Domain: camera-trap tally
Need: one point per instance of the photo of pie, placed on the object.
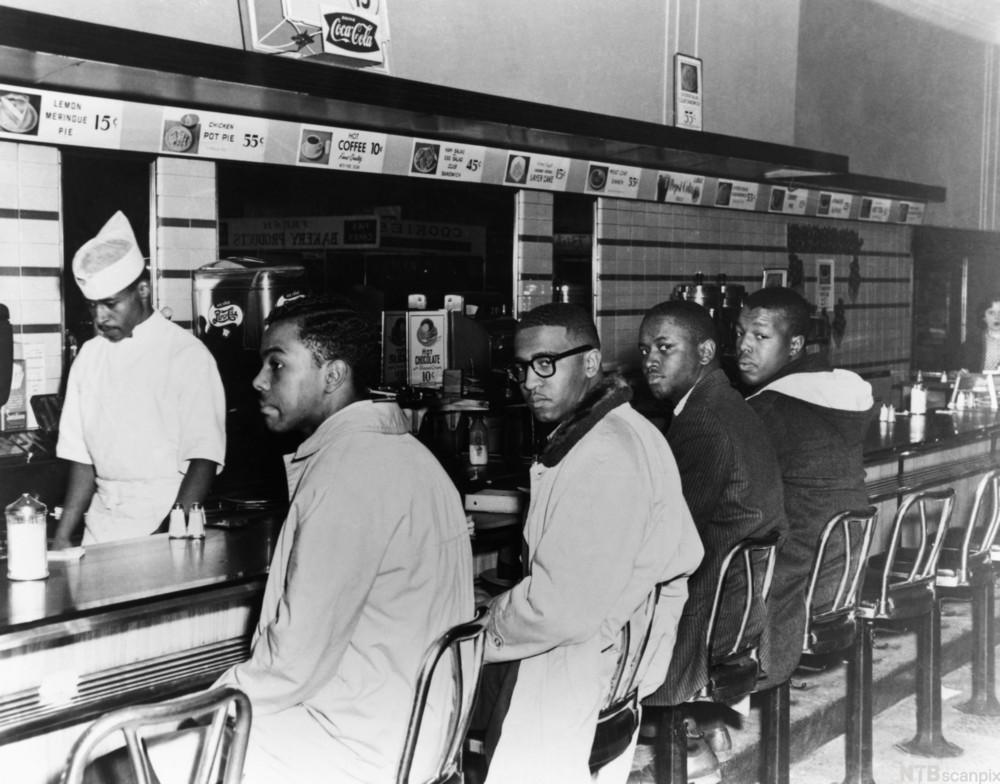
(517, 168)
(177, 138)
(598, 177)
(17, 115)
(425, 158)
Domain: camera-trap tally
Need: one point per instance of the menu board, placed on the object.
(834, 205)
(536, 171)
(736, 195)
(60, 118)
(213, 135)
(607, 179)
(679, 188)
(447, 160)
(33, 115)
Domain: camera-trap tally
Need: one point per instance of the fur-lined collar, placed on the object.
(608, 395)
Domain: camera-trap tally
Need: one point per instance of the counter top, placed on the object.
(908, 436)
(117, 574)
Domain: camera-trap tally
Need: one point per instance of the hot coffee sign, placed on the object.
(355, 28)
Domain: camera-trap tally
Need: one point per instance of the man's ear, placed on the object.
(706, 351)
(592, 362)
(337, 374)
(145, 292)
(796, 344)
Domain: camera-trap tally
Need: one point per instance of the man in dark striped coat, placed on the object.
(729, 471)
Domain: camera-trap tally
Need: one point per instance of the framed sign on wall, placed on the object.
(688, 91)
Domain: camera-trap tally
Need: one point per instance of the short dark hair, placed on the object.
(692, 317)
(986, 302)
(332, 331)
(794, 308)
(577, 321)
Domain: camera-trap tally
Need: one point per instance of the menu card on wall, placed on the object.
(736, 195)
(911, 212)
(679, 188)
(213, 135)
(834, 205)
(341, 148)
(447, 160)
(60, 118)
(536, 171)
(875, 210)
(606, 179)
(789, 201)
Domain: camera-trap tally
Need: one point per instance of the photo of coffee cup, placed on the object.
(312, 146)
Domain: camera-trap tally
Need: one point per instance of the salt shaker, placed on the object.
(196, 522)
(178, 527)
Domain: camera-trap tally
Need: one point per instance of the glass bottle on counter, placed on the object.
(27, 548)
(478, 444)
(918, 396)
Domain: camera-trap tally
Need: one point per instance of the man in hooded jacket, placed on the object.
(817, 419)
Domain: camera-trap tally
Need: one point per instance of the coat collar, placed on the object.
(608, 395)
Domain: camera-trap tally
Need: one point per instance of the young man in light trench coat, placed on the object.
(606, 523)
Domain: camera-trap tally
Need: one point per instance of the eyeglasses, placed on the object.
(544, 365)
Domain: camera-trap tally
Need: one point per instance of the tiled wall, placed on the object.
(645, 249)
(532, 250)
(185, 214)
(31, 257)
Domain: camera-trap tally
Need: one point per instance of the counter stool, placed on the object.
(217, 748)
(830, 627)
(965, 571)
(462, 647)
(733, 672)
(899, 591)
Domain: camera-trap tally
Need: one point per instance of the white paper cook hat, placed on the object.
(109, 262)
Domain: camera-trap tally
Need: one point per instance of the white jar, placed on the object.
(27, 548)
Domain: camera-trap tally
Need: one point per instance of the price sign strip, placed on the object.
(33, 115)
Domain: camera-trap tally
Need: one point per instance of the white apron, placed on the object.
(123, 509)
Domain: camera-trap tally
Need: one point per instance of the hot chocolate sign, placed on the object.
(355, 28)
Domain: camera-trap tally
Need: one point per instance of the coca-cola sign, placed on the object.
(352, 33)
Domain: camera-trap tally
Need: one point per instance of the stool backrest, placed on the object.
(618, 718)
(831, 627)
(741, 591)
(915, 568)
(227, 709)
(438, 757)
(980, 533)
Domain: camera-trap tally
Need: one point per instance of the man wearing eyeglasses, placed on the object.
(607, 523)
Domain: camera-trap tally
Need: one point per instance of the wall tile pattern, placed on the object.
(186, 220)
(532, 250)
(31, 252)
(644, 249)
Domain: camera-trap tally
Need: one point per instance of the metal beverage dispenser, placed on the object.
(232, 298)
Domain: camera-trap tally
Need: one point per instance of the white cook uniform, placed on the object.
(373, 562)
(138, 410)
(605, 525)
